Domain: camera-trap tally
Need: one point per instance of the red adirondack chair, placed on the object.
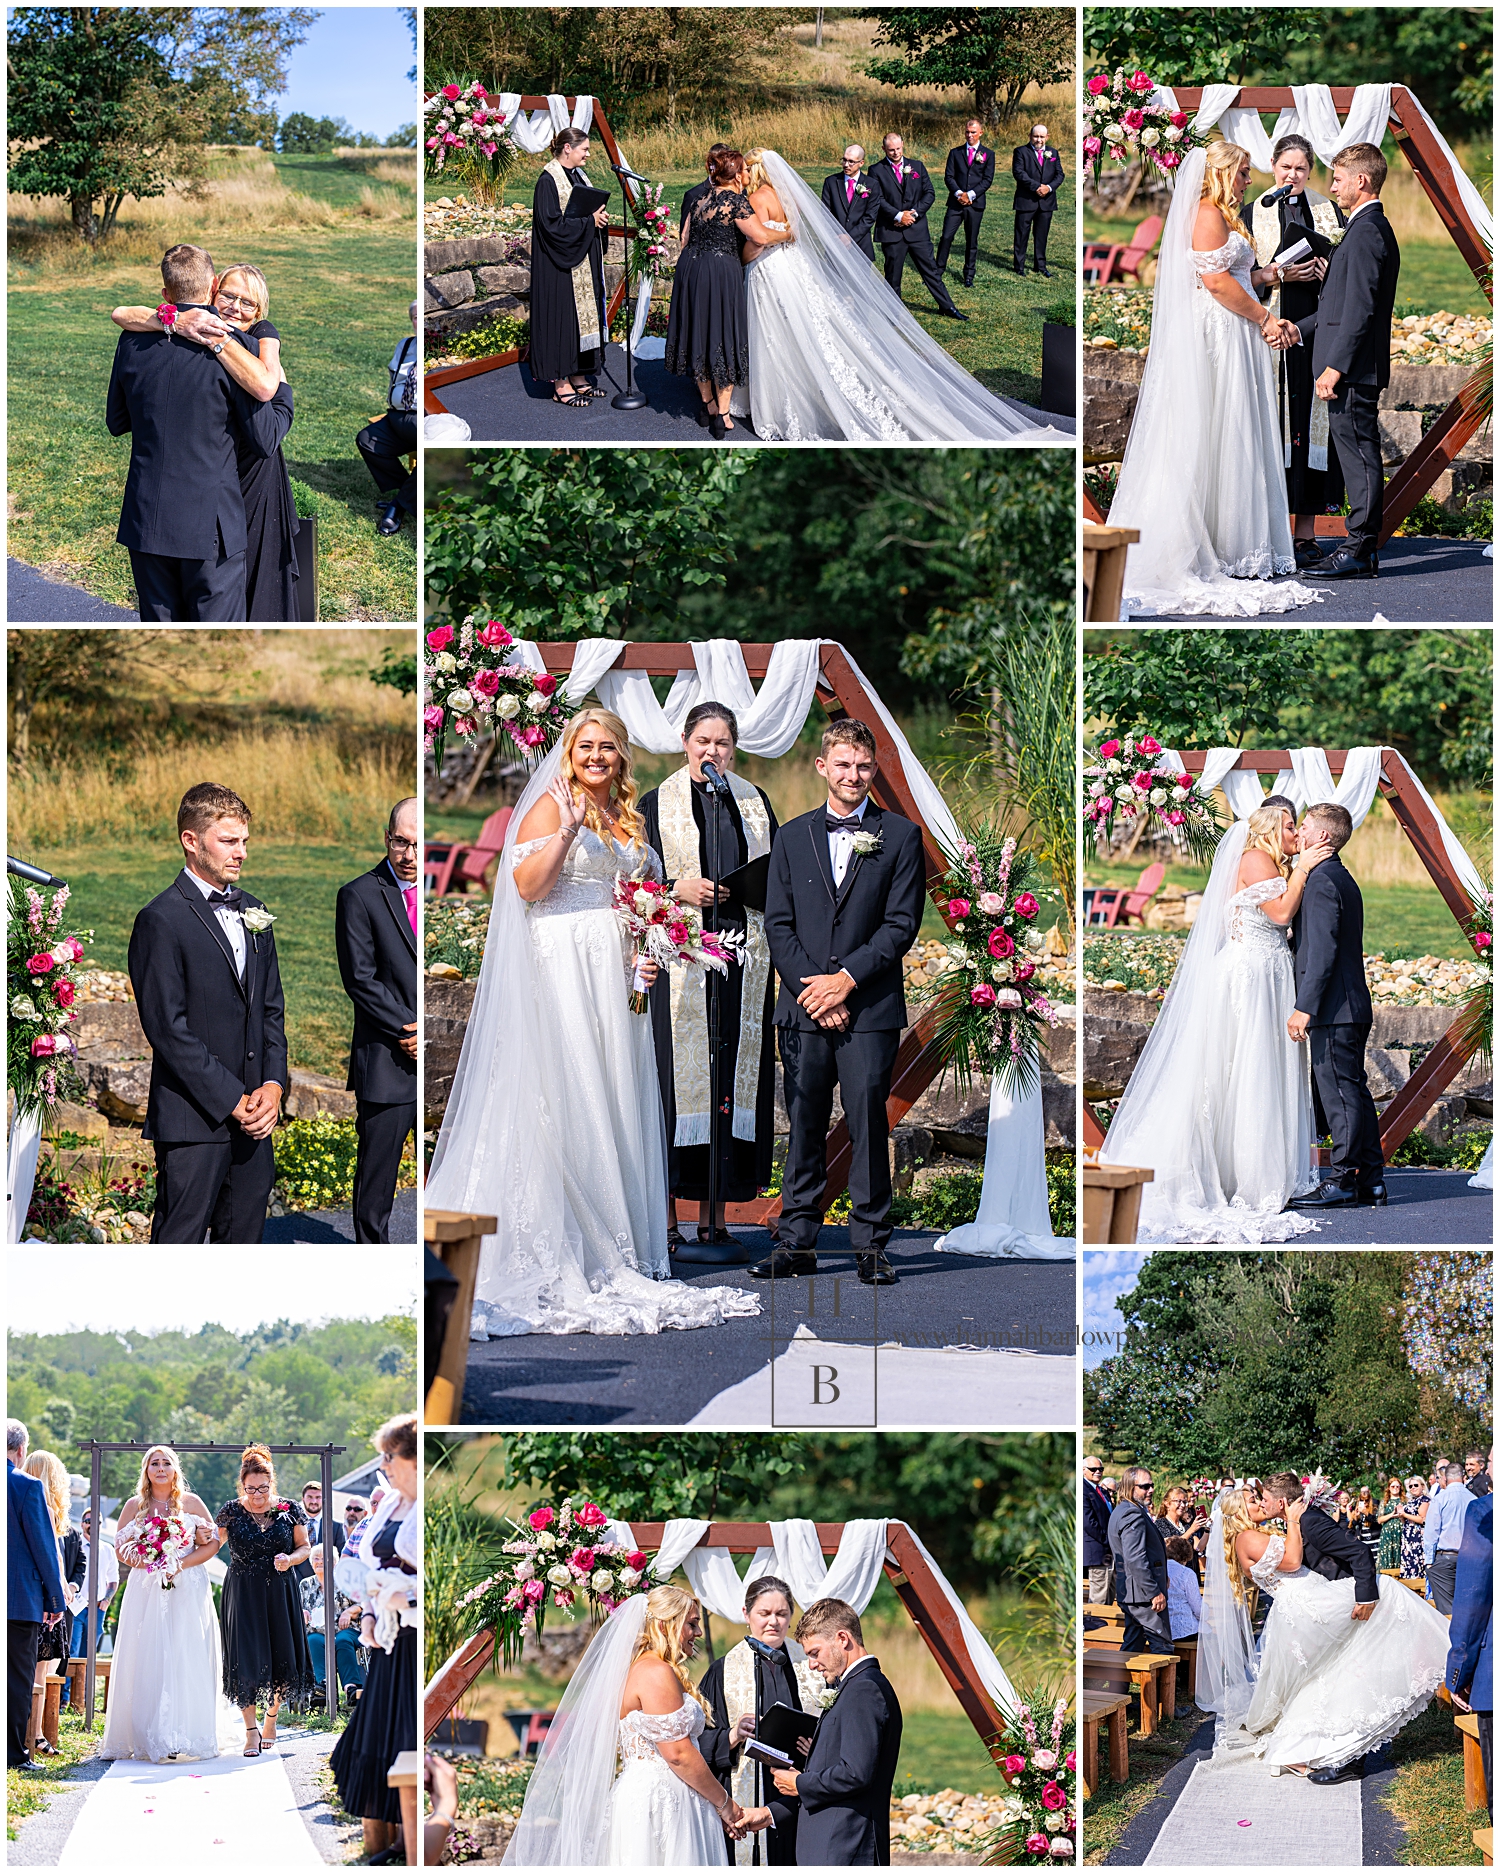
(1104, 261)
(1116, 904)
(456, 867)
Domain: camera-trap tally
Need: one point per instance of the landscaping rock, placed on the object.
(440, 257)
(1443, 1121)
(450, 289)
(911, 1148)
(83, 1121)
(1387, 1070)
(1059, 1114)
(1480, 1101)
(503, 279)
(1118, 1004)
(119, 1088)
(1111, 1048)
(1060, 1046)
(314, 1095)
(450, 323)
(109, 1030)
(448, 1007)
(1414, 1026)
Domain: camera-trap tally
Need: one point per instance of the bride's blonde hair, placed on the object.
(1223, 165)
(1237, 1518)
(1265, 836)
(623, 790)
(667, 1610)
(755, 176)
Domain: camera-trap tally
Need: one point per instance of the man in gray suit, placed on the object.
(1140, 1557)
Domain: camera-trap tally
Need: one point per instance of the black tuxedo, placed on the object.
(866, 926)
(959, 177)
(690, 201)
(214, 1036)
(1034, 211)
(377, 952)
(913, 194)
(1350, 332)
(183, 516)
(775, 1683)
(1337, 1554)
(856, 215)
(1328, 944)
(845, 1790)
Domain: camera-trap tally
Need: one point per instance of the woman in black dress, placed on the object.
(260, 1615)
(708, 327)
(685, 820)
(241, 301)
(567, 277)
(384, 1722)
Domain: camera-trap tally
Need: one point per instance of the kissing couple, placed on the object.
(1260, 1045)
(1204, 473)
(682, 1752)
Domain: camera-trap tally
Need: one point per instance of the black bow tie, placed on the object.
(230, 899)
(852, 824)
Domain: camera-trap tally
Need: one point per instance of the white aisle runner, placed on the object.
(232, 1811)
(1245, 1816)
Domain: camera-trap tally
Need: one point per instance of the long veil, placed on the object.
(1227, 1663)
(871, 348)
(565, 1817)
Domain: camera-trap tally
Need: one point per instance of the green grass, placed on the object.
(1427, 1794)
(298, 880)
(941, 1749)
(339, 180)
(30, 1793)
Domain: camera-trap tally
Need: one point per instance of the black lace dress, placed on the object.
(708, 329)
(260, 1614)
(270, 517)
(384, 1722)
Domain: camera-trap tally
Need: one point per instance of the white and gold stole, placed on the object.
(585, 301)
(1265, 226)
(739, 1701)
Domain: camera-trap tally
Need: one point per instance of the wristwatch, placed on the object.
(218, 347)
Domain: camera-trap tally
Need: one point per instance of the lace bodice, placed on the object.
(714, 221)
(587, 879)
(640, 1732)
(1249, 925)
(1236, 256)
(1263, 1572)
(253, 1547)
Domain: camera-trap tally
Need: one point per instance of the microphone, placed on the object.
(621, 169)
(32, 873)
(1277, 195)
(716, 780)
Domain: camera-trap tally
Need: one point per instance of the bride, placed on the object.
(164, 1698)
(1220, 1102)
(834, 354)
(631, 1699)
(555, 1122)
(1324, 1687)
(1203, 477)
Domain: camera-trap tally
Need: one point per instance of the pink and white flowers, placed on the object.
(40, 994)
(472, 689)
(463, 120)
(1119, 121)
(666, 932)
(1128, 777)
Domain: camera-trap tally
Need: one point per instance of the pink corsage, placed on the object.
(168, 317)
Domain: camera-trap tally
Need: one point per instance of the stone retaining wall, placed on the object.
(469, 282)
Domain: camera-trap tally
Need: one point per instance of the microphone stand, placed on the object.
(630, 398)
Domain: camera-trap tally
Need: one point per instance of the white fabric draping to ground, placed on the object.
(20, 1167)
(1014, 1219)
(1484, 1177)
(1243, 1815)
(229, 1811)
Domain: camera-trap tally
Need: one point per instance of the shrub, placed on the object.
(1460, 1154)
(315, 1164)
(1474, 521)
(504, 333)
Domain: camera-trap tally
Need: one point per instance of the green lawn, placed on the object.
(941, 1749)
(298, 880)
(339, 179)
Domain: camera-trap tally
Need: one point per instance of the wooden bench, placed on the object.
(1153, 1674)
(455, 1237)
(1112, 1201)
(52, 1686)
(1418, 1587)
(1476, 1795)
(1104, 550)
(402, 1776)
(1112, 1708)
(1112, 1632)
(76, 1672)
(1187, 1651)
(1484, 1840)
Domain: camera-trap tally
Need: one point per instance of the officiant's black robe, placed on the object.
(775, 1683)
(744, 1166)
(1308, 490)
(558, 244)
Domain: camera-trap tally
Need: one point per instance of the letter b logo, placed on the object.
(819, 1382)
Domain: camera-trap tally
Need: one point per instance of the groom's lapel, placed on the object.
(870, 823)
(195, 903)
(817, 831)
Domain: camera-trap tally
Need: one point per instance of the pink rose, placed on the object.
(532, 737)
(1068, 1761)
(1026, 905)
(1134, 120)
(1138, 82)
(1044, 1759)
(478, 89)
(991, 903)
(1177, 817)
(494, 635)
(1053, 1797)
(39, 964)
(486, 683)
(958, 907)
(1025, 971)
(452, 93)
(1142, 782)
(1036, 1843)
(441, 638)
(637, 1560)
(582, 1559)
(1179, 119)
(432, 717)
(1092, 146)
(983, 996)
(546, 682)
(65, 993)
(1148, 744)
(534, 1592)
(1098, 85)
(1108, 749)
(1185, 781)
(1001, 944)
(1169, 159)
(73, 944)
(592, 1516)
(1013, 1765)
(541, 1518)
(44, 1046)
(1483, 940)
(434, 142)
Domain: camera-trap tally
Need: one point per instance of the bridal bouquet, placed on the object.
(1041, 1772)
(462, 126)
(667, 932)
(559, 1555)
(470, 690)
(1126, 780)
(42, 956)
(990, 1011)
(1120, 123)
(157, 1544)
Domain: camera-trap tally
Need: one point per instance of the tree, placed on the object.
(1196, 689)
(995, 52)
(1200, 45)
(403, 139)
(301, 135)
(654, 1477)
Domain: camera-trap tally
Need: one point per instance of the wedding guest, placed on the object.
(567, 277)
(1110, 1485)
(694, 828)
(109, 1580)
(1140, 1567)
(1471, 1632)
(387, 441)
(1038, 173)
(356, 1514)
(1477, 1473)
(361, 1523)
(1364, 1517)
(36, 1600)
(260, 1614)
(1178, 1518)
(1184, 1596)
(440, 1779)
(312, 1509)
(1413, 1514)
(904, 193)
(700, 191)
(1096, 1555)
(1340, 1511)
(967, 178)
(351, 1673)
(375, 936)
(1441, 1534)
(1388, 1558)
(52, 1647)
(850, 198)
(384, 1722)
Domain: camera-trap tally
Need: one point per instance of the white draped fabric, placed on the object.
(25, 1145)
(533, 131)
(1014, 1218)
(1484, 1177)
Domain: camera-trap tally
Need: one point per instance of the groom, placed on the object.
(845, 1789)
(1333, 1015)
(1350, 335)
(843, 905)
(203, 966)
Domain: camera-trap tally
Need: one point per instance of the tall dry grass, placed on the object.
(1381, 854)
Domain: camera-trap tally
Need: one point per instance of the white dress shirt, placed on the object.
(841, 844)
(230, 921)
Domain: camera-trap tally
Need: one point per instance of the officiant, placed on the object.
(690, 820)
(763, 1670)
(1314, 483)
(567, 277)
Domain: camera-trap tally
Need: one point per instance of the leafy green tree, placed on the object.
(301, 135)
(654, 1476)
(1195, 689)
(403, 139)
(1198, 45)
(994, 52)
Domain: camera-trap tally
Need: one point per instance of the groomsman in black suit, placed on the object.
(207, 987)
(904, 193)
(851, 200)
(1038, 173)
(970, 171)
(375, 931)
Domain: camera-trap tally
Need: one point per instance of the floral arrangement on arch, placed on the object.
(1041, 1772)
(1479, 1011)
(469, 690)
(42, 956)
(990, 1011)
(557, 1556)
(1126, 779)
(461, 124)
(1120, 123)
(649, 258)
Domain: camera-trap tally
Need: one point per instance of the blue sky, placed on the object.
(353, 64)
(1107, 1274)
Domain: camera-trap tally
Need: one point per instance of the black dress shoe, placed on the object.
(952, 312)
(875, 1271)
(1351, 1772)
(390, 520)
(1372, 1193)
(968, 279)
(1020, 273)
(1308, 554)
(1344, 565)
(1329, 1195)
(29, 1767)
(1044, 273)
(782, 1262)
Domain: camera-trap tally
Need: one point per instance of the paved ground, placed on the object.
(338, 1225)
(1425, 1206)
(31, 598)
(667, 1378)
(1422, 581)
(506, 405)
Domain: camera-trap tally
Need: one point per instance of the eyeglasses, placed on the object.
(400, 845)
(239, 299)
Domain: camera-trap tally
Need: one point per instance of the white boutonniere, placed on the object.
(866, 843)
(860, 189)
(828, 1696)
(257, 919)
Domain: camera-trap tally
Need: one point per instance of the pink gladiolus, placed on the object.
(1025, 971)
(489, 148)
(592, 1516)
(1001, 944)
(1179, 120)
(1134, 120)
(1148, 744)
(958, 907)
(452, 93)
(1036, 1843)
(43, 1046)
(1026, 905)
(1098, 85)
(441, 638)
(1053, 1797)
(1092, 146)
(545, 683)
(39, 964)
(541, 1518)
(494, 636)
(1109, 749)
(983, 996)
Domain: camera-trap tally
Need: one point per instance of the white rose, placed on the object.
(546, 1542)
(524, 1570)
(1007, 998)
(1097, 788)
(1004, 971)
(1034, 941)
(1173, 134)
(628, 1577)
(537, 703)
(1158, 796)
(1113, 765)
(603, 1580)
(506, 706)
(1150, 139)
(1053, 1823)
(1113, 133)
(459, 700)
(446, 662)
(1124, 793)
(559, 1576)
(642, 901)
(257, 918)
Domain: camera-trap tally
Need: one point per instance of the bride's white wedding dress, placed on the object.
(165, 1696)
(655, 1819)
